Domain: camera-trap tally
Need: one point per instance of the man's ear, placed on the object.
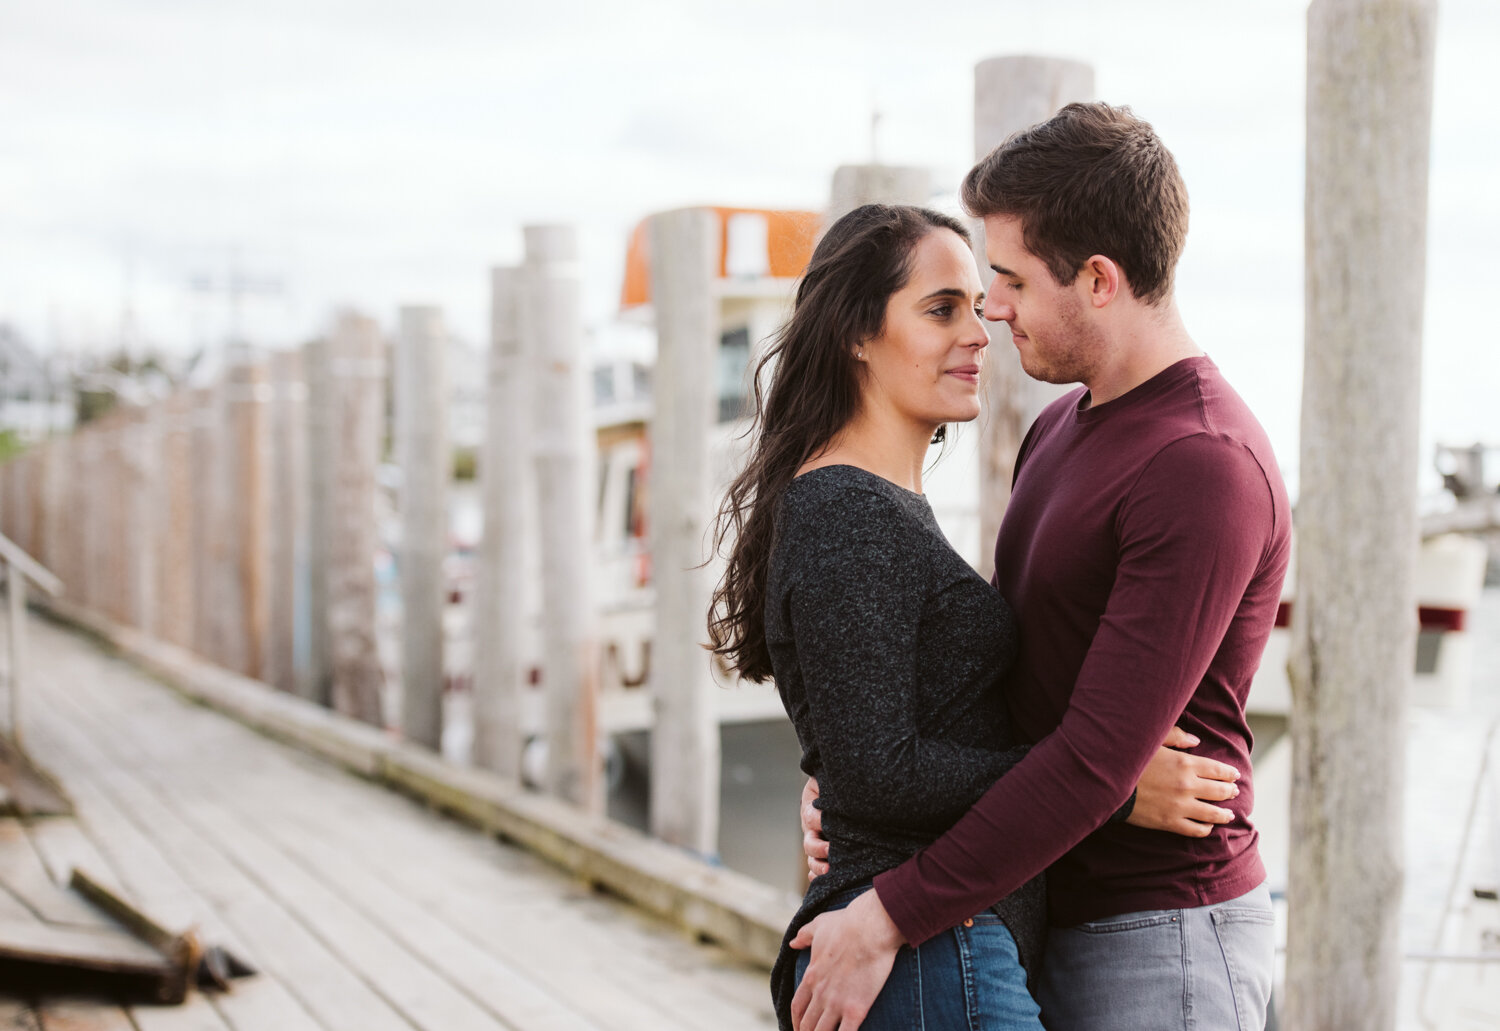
(1104, 279)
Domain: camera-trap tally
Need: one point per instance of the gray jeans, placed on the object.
(1202, 969)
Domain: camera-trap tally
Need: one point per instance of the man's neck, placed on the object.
(1144, 342)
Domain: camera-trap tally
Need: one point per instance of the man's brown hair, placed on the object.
(1093, 179)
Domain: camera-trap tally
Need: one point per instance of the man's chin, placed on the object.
(1045, 374)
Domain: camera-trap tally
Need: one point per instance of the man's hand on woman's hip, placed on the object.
(1176, 793)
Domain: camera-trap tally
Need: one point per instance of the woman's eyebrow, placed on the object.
(947, 291)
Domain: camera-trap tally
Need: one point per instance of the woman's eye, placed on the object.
(942, 311)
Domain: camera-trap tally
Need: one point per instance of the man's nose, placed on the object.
(998, 310)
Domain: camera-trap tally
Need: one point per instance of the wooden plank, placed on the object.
(62, 845)
(138, 864)
(78, 1014)
(87, 949)
(150, 754)
(731, 908)
(620, 993)
(25, 788)
(403, 978)
(12, 908)
(317, 990)
(182, 950)
(638, 972)
(18, 1015)
(500, 987)
(25, 876)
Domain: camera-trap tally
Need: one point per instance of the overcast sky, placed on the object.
(354, 152)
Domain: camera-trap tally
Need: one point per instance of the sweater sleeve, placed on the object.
(1193, 532)
(856, 612)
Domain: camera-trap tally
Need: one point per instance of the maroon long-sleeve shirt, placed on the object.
(1143, 551)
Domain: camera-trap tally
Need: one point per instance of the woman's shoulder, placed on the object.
(849, 486)
(833, 513)
(846, 501)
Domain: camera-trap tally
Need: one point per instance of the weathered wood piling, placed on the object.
(1369, 104)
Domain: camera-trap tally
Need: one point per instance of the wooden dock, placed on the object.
(363, 910)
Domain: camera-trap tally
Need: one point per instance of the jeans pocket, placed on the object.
(1130, 922)
(1247, 940)
(1240, 914)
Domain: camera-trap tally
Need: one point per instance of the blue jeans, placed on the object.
(1200, 969)
(968, 979)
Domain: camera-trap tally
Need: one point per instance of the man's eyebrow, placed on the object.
(1001, 270)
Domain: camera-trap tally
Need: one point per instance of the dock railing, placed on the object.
(20, 567)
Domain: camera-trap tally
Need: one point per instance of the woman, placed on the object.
(887, 648)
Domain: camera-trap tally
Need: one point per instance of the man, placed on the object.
(1143, 550)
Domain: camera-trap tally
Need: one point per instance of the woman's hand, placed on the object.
(814, 845)
(1177, 790)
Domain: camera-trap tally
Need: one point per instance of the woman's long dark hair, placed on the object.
(862, 260)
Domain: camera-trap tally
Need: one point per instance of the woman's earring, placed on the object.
(860, 355)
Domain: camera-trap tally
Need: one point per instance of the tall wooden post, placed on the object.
(73, 521)
(1369, 104)
(241, 514)
(142, 453)
(1011, 93)
(15, 588)
(205, 505)
(315, 679)
(854, 185)
(53, 475)
(356, 373)
(9, 502)
(36, 479)
(223, 598)
(174, 516)
(287, 543)
(426, 467)
(66, 549)
(505, 475)
(21, 484)
(94, 486)
(552, 328)
(685, 737)
(113, 492)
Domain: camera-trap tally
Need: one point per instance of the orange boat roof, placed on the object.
(790, 236)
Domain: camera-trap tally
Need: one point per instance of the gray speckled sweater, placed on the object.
(889, 652)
